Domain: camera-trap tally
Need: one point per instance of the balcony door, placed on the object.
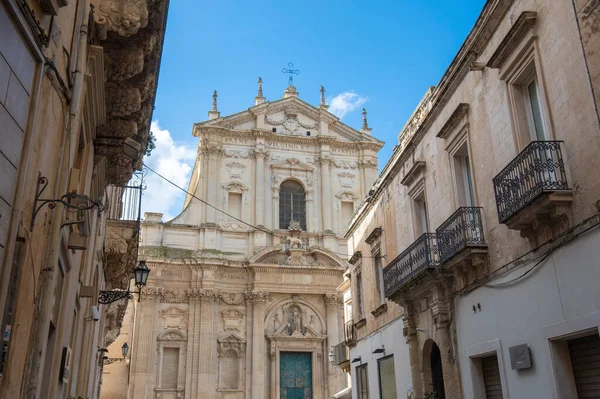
(533, 109)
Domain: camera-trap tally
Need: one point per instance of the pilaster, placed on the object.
(325, 161)
(333, 303)
(259, 364)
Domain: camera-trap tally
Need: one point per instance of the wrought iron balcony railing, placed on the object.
(461, 230)
(420, 256)
(539, 168)
(350, 332)
(340, 353)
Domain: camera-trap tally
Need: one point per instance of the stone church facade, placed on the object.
(241, 301)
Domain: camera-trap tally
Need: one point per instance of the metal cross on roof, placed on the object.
(291, 71)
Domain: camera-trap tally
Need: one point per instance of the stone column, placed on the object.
(326, 191)
(410, 333)
(144, 346)
(259, 362)
(332, 306)
(213, 151)
(207, 344)
(275, 204)
(259, 205)
(440, 312)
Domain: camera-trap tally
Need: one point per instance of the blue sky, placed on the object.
(382, 55)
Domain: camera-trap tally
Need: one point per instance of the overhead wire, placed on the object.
(234, 217)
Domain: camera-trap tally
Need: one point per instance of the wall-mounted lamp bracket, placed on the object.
(106, 297)
(71, 200)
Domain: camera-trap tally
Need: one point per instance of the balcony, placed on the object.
(341, 356)
(419, 259)
(532, 192)
(350, 333)
(462, 245)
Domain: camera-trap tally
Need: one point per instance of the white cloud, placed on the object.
(173, 161)
(345, 103)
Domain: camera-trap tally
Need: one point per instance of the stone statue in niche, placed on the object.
(312, 321)
(295, 326)
(276, 322)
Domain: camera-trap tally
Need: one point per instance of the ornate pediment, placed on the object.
(231, 342)
(295, 118)
(292, 164)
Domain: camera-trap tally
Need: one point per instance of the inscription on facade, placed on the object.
(288, 146)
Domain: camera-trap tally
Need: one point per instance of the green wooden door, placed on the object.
(295, 374)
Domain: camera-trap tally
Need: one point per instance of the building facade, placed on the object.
(77, 88)
(241, 301)
(486, 220)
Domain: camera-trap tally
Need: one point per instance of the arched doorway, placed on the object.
(433, 378)
(437, 378)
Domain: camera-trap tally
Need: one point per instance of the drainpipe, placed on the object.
(49, 273)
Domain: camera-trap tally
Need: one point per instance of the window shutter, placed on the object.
(491, 377)
(585, 359)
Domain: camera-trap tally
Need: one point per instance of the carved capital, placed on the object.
(257, 297)
(333, 300)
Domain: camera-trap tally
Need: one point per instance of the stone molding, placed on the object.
(516, 33)
(187, 295)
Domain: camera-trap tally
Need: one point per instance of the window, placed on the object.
(359, 296)
(170, 368)
(461, 165)
(274, 130)
(534, 110)
(362, 382)
(387, 377)
(379, 278)
(292, 204)
(308, 132)
(234, 205)
(347, 212)
(421, 224)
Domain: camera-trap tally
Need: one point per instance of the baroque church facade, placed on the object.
(241, 301)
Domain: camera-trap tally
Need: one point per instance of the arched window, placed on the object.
(292, 204)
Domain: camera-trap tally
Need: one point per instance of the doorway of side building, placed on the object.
(433, 378)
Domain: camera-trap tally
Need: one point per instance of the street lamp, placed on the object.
(124, 350)
(141, 278)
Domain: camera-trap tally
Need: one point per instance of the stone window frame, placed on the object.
(238, 188)
(358, 311)
(239, 347)
(475, 353)
(341, 197)
(374, 240)
(518, 60)
(172, 338)
(456, 135)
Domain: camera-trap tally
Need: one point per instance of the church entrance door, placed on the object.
(295, 375)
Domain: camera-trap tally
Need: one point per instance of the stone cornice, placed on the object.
(355, 257)
(132, 37)
(486, 25)
(516, 33)
(375, 234)
(461, 110)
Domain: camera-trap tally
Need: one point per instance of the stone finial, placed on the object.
(365, 125)
(290, 92)
(214, 113)
(259, 99)
(259, 87)
(322, 104)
